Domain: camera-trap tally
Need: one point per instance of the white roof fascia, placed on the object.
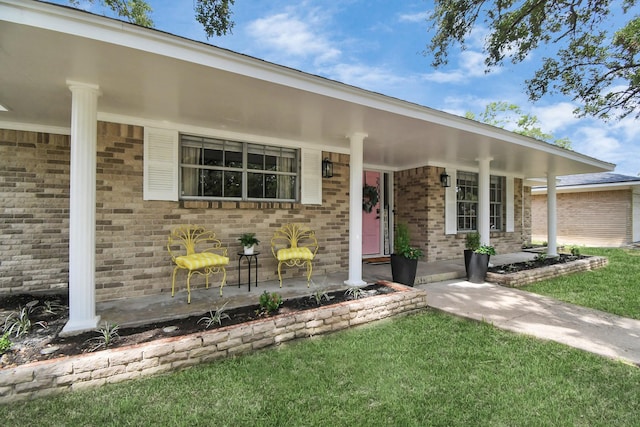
(589, 187)
(83, 24)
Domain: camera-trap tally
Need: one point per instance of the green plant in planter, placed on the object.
(249, 239)
(404, 260)
(485, 249)
(472, 241)
(478, 263)
(402, 244)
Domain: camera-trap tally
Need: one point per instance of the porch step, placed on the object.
(439, 277)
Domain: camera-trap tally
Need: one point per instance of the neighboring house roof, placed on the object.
(152, 78)
(590, 182)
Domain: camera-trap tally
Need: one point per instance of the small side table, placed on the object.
(250, 258)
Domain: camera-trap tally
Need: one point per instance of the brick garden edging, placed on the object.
(70, 373)
(526, 277)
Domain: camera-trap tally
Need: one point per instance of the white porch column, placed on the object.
(552, 219)
(356, 168)
(484, 200)
(82, 208)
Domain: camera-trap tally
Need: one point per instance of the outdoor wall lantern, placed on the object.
(327, 168)
(445, 180)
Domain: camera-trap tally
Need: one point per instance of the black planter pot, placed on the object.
(478, 266)
(467, 258)
(403, 270)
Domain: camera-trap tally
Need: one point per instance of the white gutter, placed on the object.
(588, 187)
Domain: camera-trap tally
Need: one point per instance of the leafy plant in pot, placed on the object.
(479, 263)
(248, 241)
(404, 260)
(472, 242)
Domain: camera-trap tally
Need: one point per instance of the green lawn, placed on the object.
(614, 289)
(419, 370)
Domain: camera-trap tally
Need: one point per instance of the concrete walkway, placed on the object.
(539, 316)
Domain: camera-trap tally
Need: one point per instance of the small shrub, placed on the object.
(485, 250)
(107, 335)
(575, 250)
(320, 295)
(270, 303)
(215, 317)
(472, 240)
(511, 268)
(402, 243)
(52, 307)
(18, 322)
(354, 293)
(5, 343)
(541, 257)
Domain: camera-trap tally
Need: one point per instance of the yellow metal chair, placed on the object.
(196, 249)
(294, 245)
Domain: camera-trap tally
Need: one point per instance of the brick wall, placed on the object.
(595, 218)
(131, 234)
(420, 203)
(34, 220)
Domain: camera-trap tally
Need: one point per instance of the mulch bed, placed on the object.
(538, 262)
(43, 342)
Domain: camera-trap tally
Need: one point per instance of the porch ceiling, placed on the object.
(146, 75)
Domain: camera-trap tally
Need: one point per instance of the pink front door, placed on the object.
(371, 220)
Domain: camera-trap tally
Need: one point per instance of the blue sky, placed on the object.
(380, 45)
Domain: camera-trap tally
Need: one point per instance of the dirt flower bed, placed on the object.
(538, 262)
(542, 268)
(47, 315)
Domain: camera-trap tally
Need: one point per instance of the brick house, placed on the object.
(598, 209)
(113, 134)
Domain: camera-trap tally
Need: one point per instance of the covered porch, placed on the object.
(107, 114)
(158, 308)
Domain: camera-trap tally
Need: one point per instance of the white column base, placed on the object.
(79, 326)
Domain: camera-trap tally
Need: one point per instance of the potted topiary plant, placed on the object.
(249, 240)
(472, 242)
(404, 260)
(479, 263)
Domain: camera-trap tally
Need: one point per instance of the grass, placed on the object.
(613, 289)
(425, 369)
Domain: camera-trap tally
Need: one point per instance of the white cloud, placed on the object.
(371, 78)
(292, 37)
(470, 64)
(628, 127)
(556, 117)
(414, 17)
(597, 142)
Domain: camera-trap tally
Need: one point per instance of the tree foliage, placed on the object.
(135, 11)
(214, 15)
(592, 61)
(502, 114)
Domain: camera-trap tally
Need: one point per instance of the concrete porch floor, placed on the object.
(162, 307)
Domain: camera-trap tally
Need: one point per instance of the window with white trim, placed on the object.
(219, 169)
(467, 201)
(467, 196)
(496, 204)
